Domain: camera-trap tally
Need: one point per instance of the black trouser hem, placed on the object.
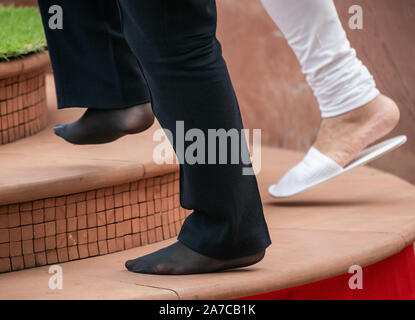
(232, 254)
(109, 106)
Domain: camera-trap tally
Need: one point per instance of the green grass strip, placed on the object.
(21, 32)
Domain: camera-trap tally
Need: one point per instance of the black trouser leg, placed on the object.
(92, 63)
(188, 79)
(182, 62)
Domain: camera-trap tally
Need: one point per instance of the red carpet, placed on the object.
(390, 279)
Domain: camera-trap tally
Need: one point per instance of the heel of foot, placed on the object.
(139, 119)
(250, 260)
(391, 111)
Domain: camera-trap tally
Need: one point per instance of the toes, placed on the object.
(129, 265)
(142, 268)
(139, 266)
(59, 128)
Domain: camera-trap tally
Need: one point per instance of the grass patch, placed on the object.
(21, 32)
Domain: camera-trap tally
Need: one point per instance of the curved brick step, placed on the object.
(60, 202)
(23, 110)
(87, 224)
(362, 217)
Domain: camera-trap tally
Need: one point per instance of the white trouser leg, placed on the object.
(337, 77)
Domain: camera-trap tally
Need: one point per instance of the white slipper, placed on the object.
(317, 168)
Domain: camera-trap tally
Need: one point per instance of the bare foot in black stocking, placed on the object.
(98, 126)
(178, 259)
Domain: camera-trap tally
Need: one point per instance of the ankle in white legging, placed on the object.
(337, 77)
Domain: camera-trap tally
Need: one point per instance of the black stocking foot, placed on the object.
(98, 126)
(178, 259)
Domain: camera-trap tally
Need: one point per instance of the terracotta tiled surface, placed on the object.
(23, 110)
(87, 224)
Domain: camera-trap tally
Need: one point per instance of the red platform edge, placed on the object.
(389, 279)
